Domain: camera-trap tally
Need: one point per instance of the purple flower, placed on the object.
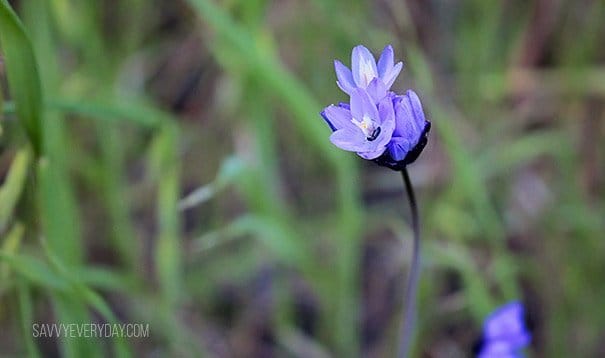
(362, 127)
(378, 125)
(504, 332)
(365, 70)
(410, 135)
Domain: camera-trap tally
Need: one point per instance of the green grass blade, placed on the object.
(113, 192)
(111, 110)
(26, 311)
(59, 207)
(22, 73)
(59, 212)
(168, 253)
(34, 270)
(10, 246)
(114, 110)
(231, 169)
(13, 185)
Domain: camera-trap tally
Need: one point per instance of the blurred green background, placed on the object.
(164, 162)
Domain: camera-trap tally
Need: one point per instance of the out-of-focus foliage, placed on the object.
(164, 162)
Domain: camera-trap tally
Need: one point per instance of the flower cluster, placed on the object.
(377, 123)
(504, 333)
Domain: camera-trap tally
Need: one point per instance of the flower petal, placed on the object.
(337, 117)
(372, 154)
(345, 77)
(363, 66)
(385, 62)
(407, 125)
(389, 77)
(377, 90)
(507, 321)
(399, 148)
(362, 105)
(498, 350)
(344, 105)
(386, 111)
(349, 138)
(385, 136)
(416, 106)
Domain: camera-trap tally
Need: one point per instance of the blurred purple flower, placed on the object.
(504, 332)
(364, 69)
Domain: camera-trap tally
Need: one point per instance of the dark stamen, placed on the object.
(374, 134)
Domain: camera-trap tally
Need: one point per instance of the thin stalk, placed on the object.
(412, 284)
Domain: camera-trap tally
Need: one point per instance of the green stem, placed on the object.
(412, 284)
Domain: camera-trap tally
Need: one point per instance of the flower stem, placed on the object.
(412, 284)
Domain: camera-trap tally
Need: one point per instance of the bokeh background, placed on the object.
(175, 171)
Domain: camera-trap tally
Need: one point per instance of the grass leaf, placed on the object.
(22, 72)
(13, 185)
